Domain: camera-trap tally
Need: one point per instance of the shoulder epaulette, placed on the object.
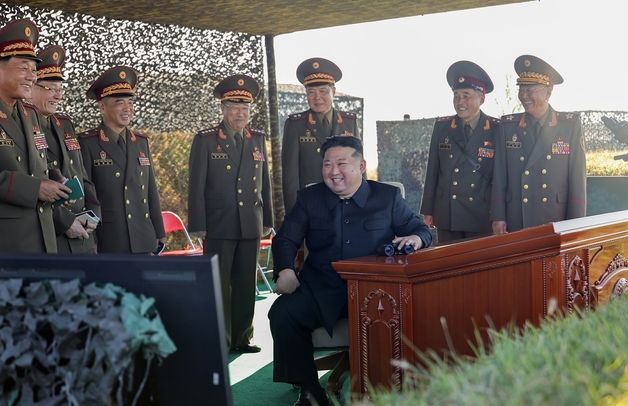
(493, 119)
(89, 133)
(208, 131)
(257, 132)
(347, 114)
(567, 116)
(445, 118)
(140, 134)
(63, 116)
(511, 117)
(297, 116)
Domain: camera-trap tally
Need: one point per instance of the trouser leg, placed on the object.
(243, 278)
(225, 249)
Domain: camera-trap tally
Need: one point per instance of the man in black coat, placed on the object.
(344, 217)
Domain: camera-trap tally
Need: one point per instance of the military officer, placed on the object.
(456, 197)
(118, 162)
(540, 169)
(25, 189)
(230, 202)
(305, 132)
(64, 154)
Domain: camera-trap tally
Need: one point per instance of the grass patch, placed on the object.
(602, 163)
(576, 360)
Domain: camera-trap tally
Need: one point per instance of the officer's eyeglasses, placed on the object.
(56, 90)
(530, 90)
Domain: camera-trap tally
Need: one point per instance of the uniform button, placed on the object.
(117, 174)
(256, 166)
(128, 202)
(456, 170)
(141, 173)
(544, 186)
(544, 171)
(239, 190)
(473, 185)
(129, 215)
(544, 200)
(71, 161)
(41, 209)
(455, 183)
(525, 186)
(125, 187)
(41, 154)
(451, 156)
(549, 157)
(145, 200)
(47, 171)
(526, 172)
(254, 177)
(255, 190)
(348, 242)
(239, 179)
(346, 221)
(454, 197)
(525, 200)
(241, 203)
(143, 187)
(228, 167)
(470, 199)
(347, 202)
(480, 159)
(19, 158)
(522, 158)
(55, 163)
(146, 215)
(318, 150)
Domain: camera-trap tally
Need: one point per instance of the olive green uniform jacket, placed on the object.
(301, 161)
(64, 155)
(127, 190)
(541, 180)
(459, 174)
(26, 222)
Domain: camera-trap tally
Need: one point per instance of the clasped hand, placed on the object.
(287, 282)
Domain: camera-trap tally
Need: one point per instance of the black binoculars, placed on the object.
(390, 249)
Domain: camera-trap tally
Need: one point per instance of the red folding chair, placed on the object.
(265, 246)
(173, 223)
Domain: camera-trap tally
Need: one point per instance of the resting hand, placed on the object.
(49, 191)
(77, 231)
(499, 227)
(412, 240)
(428, 220)
(287, 282)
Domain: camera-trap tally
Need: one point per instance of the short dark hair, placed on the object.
(343, 141)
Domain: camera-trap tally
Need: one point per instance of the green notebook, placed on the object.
(76, 193)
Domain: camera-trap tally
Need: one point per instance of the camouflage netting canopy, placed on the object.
(179, 66)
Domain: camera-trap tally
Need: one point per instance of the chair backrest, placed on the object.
(172, 222)
(402, 189)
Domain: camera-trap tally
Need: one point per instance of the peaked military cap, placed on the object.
(237, 89)
(318, 71)
(534, 71)
(18, 38)
(116, 81)
(51, 61)
(468, 75)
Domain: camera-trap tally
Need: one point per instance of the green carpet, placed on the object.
(260, 390)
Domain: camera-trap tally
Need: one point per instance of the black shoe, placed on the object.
(316, 397)
(302, 400)
(246, 349)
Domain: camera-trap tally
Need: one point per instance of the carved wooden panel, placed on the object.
(380, 332)
(576, 283)
(613, 282)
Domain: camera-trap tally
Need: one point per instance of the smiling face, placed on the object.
(117, 112)
(47, 95)
(467, 103)
(535, 99)
(342, 170)
(236, 115)
(320, 98)
(17, 78)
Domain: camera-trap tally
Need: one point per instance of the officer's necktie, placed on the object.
(238, 140)
(467, 132)
(122, 143)
(14, 115)
(325, 126)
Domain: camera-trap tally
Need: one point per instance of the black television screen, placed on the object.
(188, 298)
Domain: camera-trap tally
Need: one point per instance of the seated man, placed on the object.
(343, 217)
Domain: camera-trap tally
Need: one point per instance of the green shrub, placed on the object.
(570, 361)
(602, 163)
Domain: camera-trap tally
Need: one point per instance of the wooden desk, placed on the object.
(435, 298)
